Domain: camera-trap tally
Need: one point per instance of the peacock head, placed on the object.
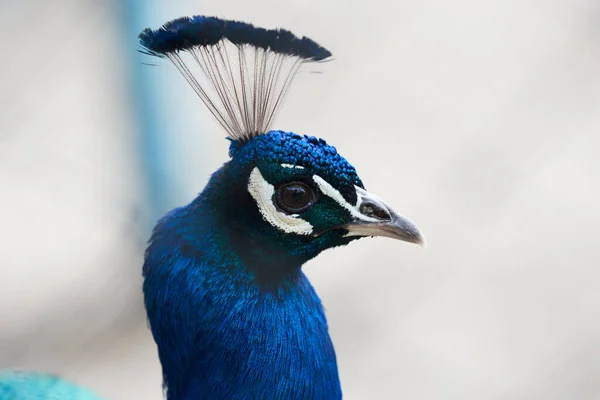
(297, 193)
(281, 193)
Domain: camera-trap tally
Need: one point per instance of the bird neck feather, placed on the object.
(227, 325)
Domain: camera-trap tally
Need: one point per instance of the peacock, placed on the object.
(232, 314)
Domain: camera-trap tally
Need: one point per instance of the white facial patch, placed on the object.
(292, 166)
(332, 192)
(262, 192)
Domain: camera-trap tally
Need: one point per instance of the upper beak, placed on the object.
(375, 218)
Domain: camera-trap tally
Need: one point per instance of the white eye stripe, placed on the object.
(262, 192)
(292, 166)
(333, 193)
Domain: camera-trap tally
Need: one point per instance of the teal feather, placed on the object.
(35, 386)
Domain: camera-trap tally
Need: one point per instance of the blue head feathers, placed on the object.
(232, 313)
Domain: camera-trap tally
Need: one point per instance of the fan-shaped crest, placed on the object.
(245, 71)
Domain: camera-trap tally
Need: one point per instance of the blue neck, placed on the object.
(226, 325)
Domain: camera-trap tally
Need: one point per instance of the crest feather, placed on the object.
(245, 71)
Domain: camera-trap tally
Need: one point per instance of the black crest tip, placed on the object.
(186, 33)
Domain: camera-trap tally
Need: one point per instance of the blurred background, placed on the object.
(479, 119)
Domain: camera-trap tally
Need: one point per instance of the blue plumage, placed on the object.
(230, 309)
(228, 324)
(280, 147)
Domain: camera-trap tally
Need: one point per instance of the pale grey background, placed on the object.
(478, 119)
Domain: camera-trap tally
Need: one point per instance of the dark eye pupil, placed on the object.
(294, 197)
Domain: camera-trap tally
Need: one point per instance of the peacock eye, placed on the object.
(295, 197)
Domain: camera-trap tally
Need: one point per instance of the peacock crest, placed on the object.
(242, 73)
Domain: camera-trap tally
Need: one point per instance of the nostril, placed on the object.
(374, 211)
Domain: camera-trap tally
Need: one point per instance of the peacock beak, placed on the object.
(375, 218)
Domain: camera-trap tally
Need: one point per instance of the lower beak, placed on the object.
(375, 218)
